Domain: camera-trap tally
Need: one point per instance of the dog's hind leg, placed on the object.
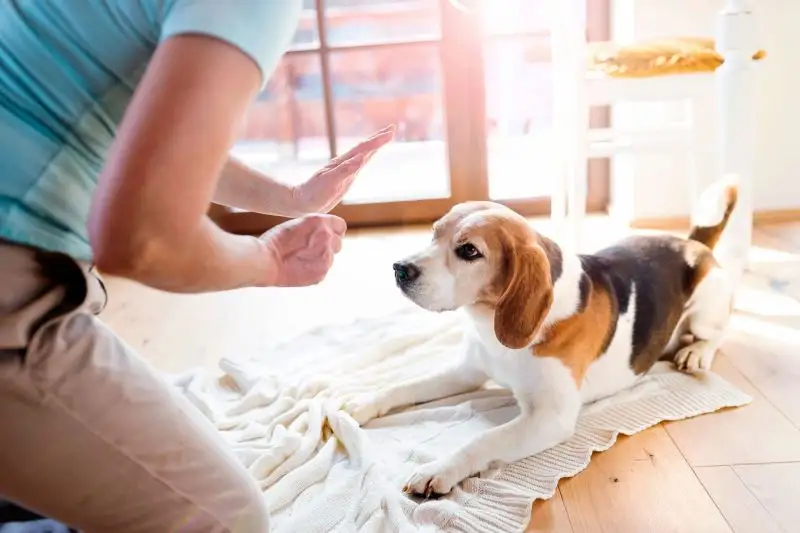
(708, 314)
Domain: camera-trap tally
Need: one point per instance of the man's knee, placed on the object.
(253, 517)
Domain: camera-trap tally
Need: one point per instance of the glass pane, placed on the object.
(519, 117)
(369, 21)
(504, 17)
(285, 134)
(306, 34)
(399, 85)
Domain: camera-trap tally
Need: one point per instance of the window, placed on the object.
(471, 97)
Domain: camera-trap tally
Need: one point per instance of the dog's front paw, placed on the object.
(364, 408)
(432, 478)
(695, 357)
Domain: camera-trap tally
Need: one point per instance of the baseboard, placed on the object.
(660, 223)
(764, 216)
(776, 216)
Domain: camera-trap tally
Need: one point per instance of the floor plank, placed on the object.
(773, 367)
(776, 487)
(641, 484)
(549, 516)
(739, 506)
(728, 437)
(763, 341)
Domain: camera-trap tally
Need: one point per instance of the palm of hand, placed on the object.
(325, 189)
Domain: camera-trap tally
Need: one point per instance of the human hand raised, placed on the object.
(302, 249)
(325, 189)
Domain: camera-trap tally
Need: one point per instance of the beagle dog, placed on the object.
(558, 329)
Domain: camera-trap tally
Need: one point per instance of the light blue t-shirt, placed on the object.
(68, 69)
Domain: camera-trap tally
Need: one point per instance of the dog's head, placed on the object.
(483, 253)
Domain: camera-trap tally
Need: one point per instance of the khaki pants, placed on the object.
(90, 434)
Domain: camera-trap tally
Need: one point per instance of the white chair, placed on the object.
(730, 144)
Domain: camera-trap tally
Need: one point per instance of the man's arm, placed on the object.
(147, 220)
(245, 188)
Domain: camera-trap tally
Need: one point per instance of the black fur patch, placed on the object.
(554, 257)
(597, 274)
(584, 286)
(655, 271)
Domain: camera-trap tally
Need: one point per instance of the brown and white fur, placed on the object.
(557, 329)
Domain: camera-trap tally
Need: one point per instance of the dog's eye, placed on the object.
(468, 252)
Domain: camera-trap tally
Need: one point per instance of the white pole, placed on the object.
(736, 84)
(571, 115)
(561, 112)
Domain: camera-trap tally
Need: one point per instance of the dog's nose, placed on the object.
(405, 273)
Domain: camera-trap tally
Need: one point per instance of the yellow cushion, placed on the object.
(658, 57)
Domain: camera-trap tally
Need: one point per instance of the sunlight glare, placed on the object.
(498, 16)
(770, 255)
(766, 303)
(502, 16)
(768, 330)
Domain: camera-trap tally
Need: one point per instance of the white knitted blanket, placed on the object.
(320, 472)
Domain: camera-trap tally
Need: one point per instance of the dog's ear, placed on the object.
(526, 297)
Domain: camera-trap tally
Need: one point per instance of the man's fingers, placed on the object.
(325, 224)
(367, 157)
(327, 238)
(381, 136)
(316, 240)
(376, 141)
(321, 244)
(327, 260)
(337, 245)
(366, 147)
(371, 144)
(343, 167)
(337, 224)
(390, 127)
(354, 163)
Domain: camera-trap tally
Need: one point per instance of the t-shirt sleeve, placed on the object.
(262, 29)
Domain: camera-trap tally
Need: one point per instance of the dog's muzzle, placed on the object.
(405, 274)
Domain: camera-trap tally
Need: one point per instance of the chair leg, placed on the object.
(736, 83)
(558, 200)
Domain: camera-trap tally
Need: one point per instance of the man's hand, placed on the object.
(325, 189)
(302, 249)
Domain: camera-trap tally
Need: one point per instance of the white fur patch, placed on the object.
(712, 203)
(612, 372)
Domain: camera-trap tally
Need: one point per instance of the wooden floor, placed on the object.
(737, 470)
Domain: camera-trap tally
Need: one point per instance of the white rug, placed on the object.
(320, 472)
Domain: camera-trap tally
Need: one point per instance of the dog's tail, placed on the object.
(713, 210)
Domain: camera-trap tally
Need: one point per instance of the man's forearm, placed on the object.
(208, 260)
(244, 188)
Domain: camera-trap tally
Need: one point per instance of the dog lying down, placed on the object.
(557, 329)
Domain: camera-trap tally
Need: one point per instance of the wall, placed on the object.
(646, 187)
